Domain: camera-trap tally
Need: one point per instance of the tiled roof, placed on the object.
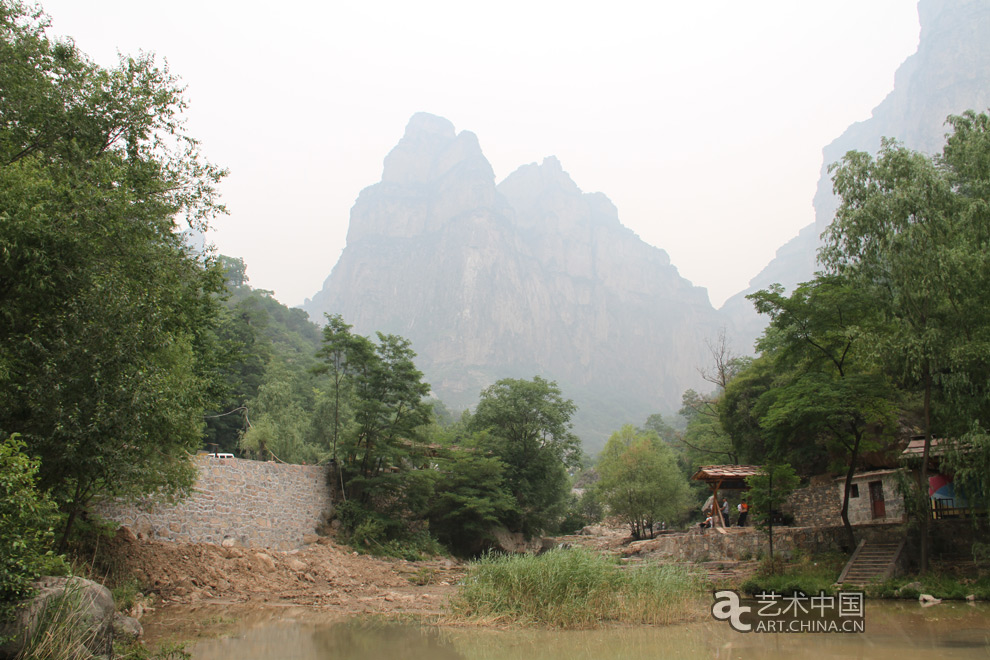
(917, 447)
(718, 472)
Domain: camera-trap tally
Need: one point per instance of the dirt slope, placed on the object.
(321, 574)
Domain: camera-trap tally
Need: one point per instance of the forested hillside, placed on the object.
(274, 352)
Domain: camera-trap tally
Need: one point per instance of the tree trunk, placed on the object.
(926, 509)
(770, 519)
(63, 542)
(850, 537)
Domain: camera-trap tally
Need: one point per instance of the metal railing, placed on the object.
(944, 508)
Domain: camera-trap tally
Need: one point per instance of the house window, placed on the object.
(854, 491)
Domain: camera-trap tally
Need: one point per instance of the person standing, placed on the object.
(725, 512)
(743, 513)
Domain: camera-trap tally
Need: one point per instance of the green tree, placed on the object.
(912, 232)
(826, 391)
(389, 403)
(108, 320)
(768, 490)
(968, 461)
(640, 482)
(280, 424)
(743, 404)
(380, 430)
(470, 498)
(267, 342)
(662, 426)
(234, 271)
(338, 344)
(705, 439)
(528, 423)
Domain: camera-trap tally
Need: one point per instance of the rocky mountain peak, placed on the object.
(949, 74)
(430, 150)
(532, 277)
(431, 177)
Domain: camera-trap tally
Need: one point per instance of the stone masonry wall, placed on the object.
(249, 503)
(816, 505)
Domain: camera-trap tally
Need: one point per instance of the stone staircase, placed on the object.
(871, 562)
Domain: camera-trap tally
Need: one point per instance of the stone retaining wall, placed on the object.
(749, 543)
(248, 503)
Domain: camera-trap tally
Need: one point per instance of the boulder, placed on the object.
(126, 628)
(593, 530)
(514, 542)
(908, 589)
(88, 605)
(265, 560)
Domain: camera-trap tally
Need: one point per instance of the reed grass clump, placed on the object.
(574, 588)
(62, 631)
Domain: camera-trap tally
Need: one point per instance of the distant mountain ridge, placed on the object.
(533, 276)
(529, 277)
(949, 73)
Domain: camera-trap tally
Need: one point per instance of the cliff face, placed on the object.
(529, 277)
(949, 73)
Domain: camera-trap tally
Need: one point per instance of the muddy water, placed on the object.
(896, 631)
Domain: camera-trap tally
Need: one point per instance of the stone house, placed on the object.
(873, 497)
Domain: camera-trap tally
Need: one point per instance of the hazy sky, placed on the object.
(702, 121)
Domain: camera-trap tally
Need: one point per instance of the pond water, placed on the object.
(893, 630)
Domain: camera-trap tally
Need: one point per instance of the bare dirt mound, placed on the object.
(321, 574)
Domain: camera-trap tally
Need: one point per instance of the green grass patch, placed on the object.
(574, 588)
(137, 651)
(806, 574)
(126, 594)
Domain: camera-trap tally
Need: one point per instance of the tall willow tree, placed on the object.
(107, 318)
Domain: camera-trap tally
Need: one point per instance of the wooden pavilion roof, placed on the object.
(726, 476)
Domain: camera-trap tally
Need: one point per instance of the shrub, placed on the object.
(806, 574)
(371, 532)
(26, 532)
